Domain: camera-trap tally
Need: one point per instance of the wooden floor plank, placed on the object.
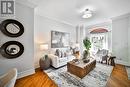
(39, 79)
(118, 78)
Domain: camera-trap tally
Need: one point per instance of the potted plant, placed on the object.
(87, 45)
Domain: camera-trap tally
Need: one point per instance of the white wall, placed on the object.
(42, 32)
(129, 41)
(120, 38)
(24, 63)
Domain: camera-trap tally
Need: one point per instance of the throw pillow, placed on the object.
(57, 53)
(68, 53)
(62, 54)
(65, 54)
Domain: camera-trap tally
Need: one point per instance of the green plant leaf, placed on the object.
(87, 43)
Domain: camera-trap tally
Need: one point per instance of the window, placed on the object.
(99, 39)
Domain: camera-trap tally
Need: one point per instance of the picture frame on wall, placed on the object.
(59, 39)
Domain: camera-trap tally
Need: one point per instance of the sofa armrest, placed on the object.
(54, 60)
(52, 56)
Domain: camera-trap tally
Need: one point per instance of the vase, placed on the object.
(86, 54)
(45, 63)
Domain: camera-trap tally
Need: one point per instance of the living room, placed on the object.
(53, 29)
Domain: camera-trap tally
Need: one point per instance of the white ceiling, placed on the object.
(69, 11)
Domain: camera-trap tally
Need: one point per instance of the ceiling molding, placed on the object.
(121, 16)
(53, 19)
(27, 3)
(105, 23)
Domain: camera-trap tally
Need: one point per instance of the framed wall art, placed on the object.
(59, 39)
(12, 49)
(12, 28)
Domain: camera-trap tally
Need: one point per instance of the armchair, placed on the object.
(102, 55)
(9, 78)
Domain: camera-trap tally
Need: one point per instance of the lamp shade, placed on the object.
(44, 46)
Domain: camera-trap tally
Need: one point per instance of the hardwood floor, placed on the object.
(118, 78)
(39, 79)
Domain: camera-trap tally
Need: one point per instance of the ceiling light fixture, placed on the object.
(87, 13)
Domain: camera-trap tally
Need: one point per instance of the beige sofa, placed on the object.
(57, 62)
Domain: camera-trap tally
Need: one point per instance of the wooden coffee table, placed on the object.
(81, 69)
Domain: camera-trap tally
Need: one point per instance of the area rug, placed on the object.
(96, 78)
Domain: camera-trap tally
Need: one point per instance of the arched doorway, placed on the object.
(99, 39)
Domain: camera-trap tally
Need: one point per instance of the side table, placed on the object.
(45, 63)
(111, 60)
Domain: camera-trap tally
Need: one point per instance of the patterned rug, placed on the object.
(96, 78)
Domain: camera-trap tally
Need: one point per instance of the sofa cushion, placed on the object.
(58, 53)
(63, 59)
(69, 52)
(70, 58)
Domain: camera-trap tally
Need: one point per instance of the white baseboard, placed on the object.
(126, 63)
(26, 73)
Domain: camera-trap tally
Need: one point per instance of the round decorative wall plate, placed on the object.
(12, 28)
(12, 49)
